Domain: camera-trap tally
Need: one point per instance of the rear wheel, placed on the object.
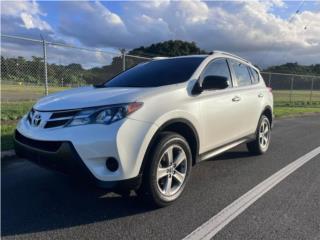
(263, 136)
(167, 172)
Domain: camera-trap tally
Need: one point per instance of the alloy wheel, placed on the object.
(172, 170)
(264, 133)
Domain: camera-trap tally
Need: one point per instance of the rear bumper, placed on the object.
(61, 156)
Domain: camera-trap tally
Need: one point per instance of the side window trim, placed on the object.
(251, 75)
(233, 74)
(200, 80)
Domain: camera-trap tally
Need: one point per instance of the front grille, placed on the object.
(30, 115)
(58, 123)
(52, 119)
(50, 146)
(63, 114)
(60, 118)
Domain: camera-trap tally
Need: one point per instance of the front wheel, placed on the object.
(167, 172)
(263, 136)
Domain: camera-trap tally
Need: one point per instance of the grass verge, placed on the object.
(281, 112)
(11, 112)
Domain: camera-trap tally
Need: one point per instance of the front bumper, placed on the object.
(125, 140)
(61, 156)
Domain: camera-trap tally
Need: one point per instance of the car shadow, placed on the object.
(232, 155)
(38, 200)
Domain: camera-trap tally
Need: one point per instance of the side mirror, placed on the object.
(214, 83)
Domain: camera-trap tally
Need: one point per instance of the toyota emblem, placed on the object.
(36, 119)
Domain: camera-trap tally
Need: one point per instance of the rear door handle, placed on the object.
(260, 95)
(236, 99)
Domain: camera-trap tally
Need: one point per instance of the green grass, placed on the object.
(6, 136)
(13, 93)
(294, 111)
(15, 110)
(11, 112)
(298, 98)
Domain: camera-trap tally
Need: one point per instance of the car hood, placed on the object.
(90, 96)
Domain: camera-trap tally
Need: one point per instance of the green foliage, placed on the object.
(168, 48)
(31, 72)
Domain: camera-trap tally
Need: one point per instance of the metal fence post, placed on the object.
(311, 91)
(291, 89)
(45, 66)
(123, 53)
(269, 79)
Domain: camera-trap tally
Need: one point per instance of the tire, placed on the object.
(263, 137)
(160, 185)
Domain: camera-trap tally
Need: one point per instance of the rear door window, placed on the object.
(242, 73)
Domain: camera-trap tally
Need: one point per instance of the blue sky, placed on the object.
(266, 32)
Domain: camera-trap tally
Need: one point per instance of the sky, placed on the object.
(265, 32)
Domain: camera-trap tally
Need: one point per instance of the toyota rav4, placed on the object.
(145, 128)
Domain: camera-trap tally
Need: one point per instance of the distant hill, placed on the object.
(295, 68)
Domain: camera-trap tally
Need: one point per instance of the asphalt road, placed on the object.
(39, 204)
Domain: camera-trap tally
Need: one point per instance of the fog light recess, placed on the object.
(112, 164)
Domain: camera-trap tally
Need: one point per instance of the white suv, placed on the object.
(145, 128)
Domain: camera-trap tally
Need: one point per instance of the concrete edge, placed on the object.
(7, 154)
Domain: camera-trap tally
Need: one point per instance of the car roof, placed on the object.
(212, 55)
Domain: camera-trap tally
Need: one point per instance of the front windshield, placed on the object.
(157, 73)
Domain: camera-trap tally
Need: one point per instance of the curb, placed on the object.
(9, 153)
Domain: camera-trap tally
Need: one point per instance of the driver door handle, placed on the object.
(236, 99)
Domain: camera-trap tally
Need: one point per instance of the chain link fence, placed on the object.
(294, 90)
(32, 68)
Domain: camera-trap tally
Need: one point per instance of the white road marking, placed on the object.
(210, 228)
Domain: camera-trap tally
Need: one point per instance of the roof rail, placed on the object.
(230, 54)
(159, 58)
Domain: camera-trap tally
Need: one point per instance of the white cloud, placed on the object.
(31, 21)
(93, 24)
(15, 8)
(250, 28)
(27, 13)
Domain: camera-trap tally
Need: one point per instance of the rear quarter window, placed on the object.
(254, 75)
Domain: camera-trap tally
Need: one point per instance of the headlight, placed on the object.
(104, 115)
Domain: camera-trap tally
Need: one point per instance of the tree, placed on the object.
(168, 48)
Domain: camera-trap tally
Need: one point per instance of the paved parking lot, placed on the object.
(40, 204)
